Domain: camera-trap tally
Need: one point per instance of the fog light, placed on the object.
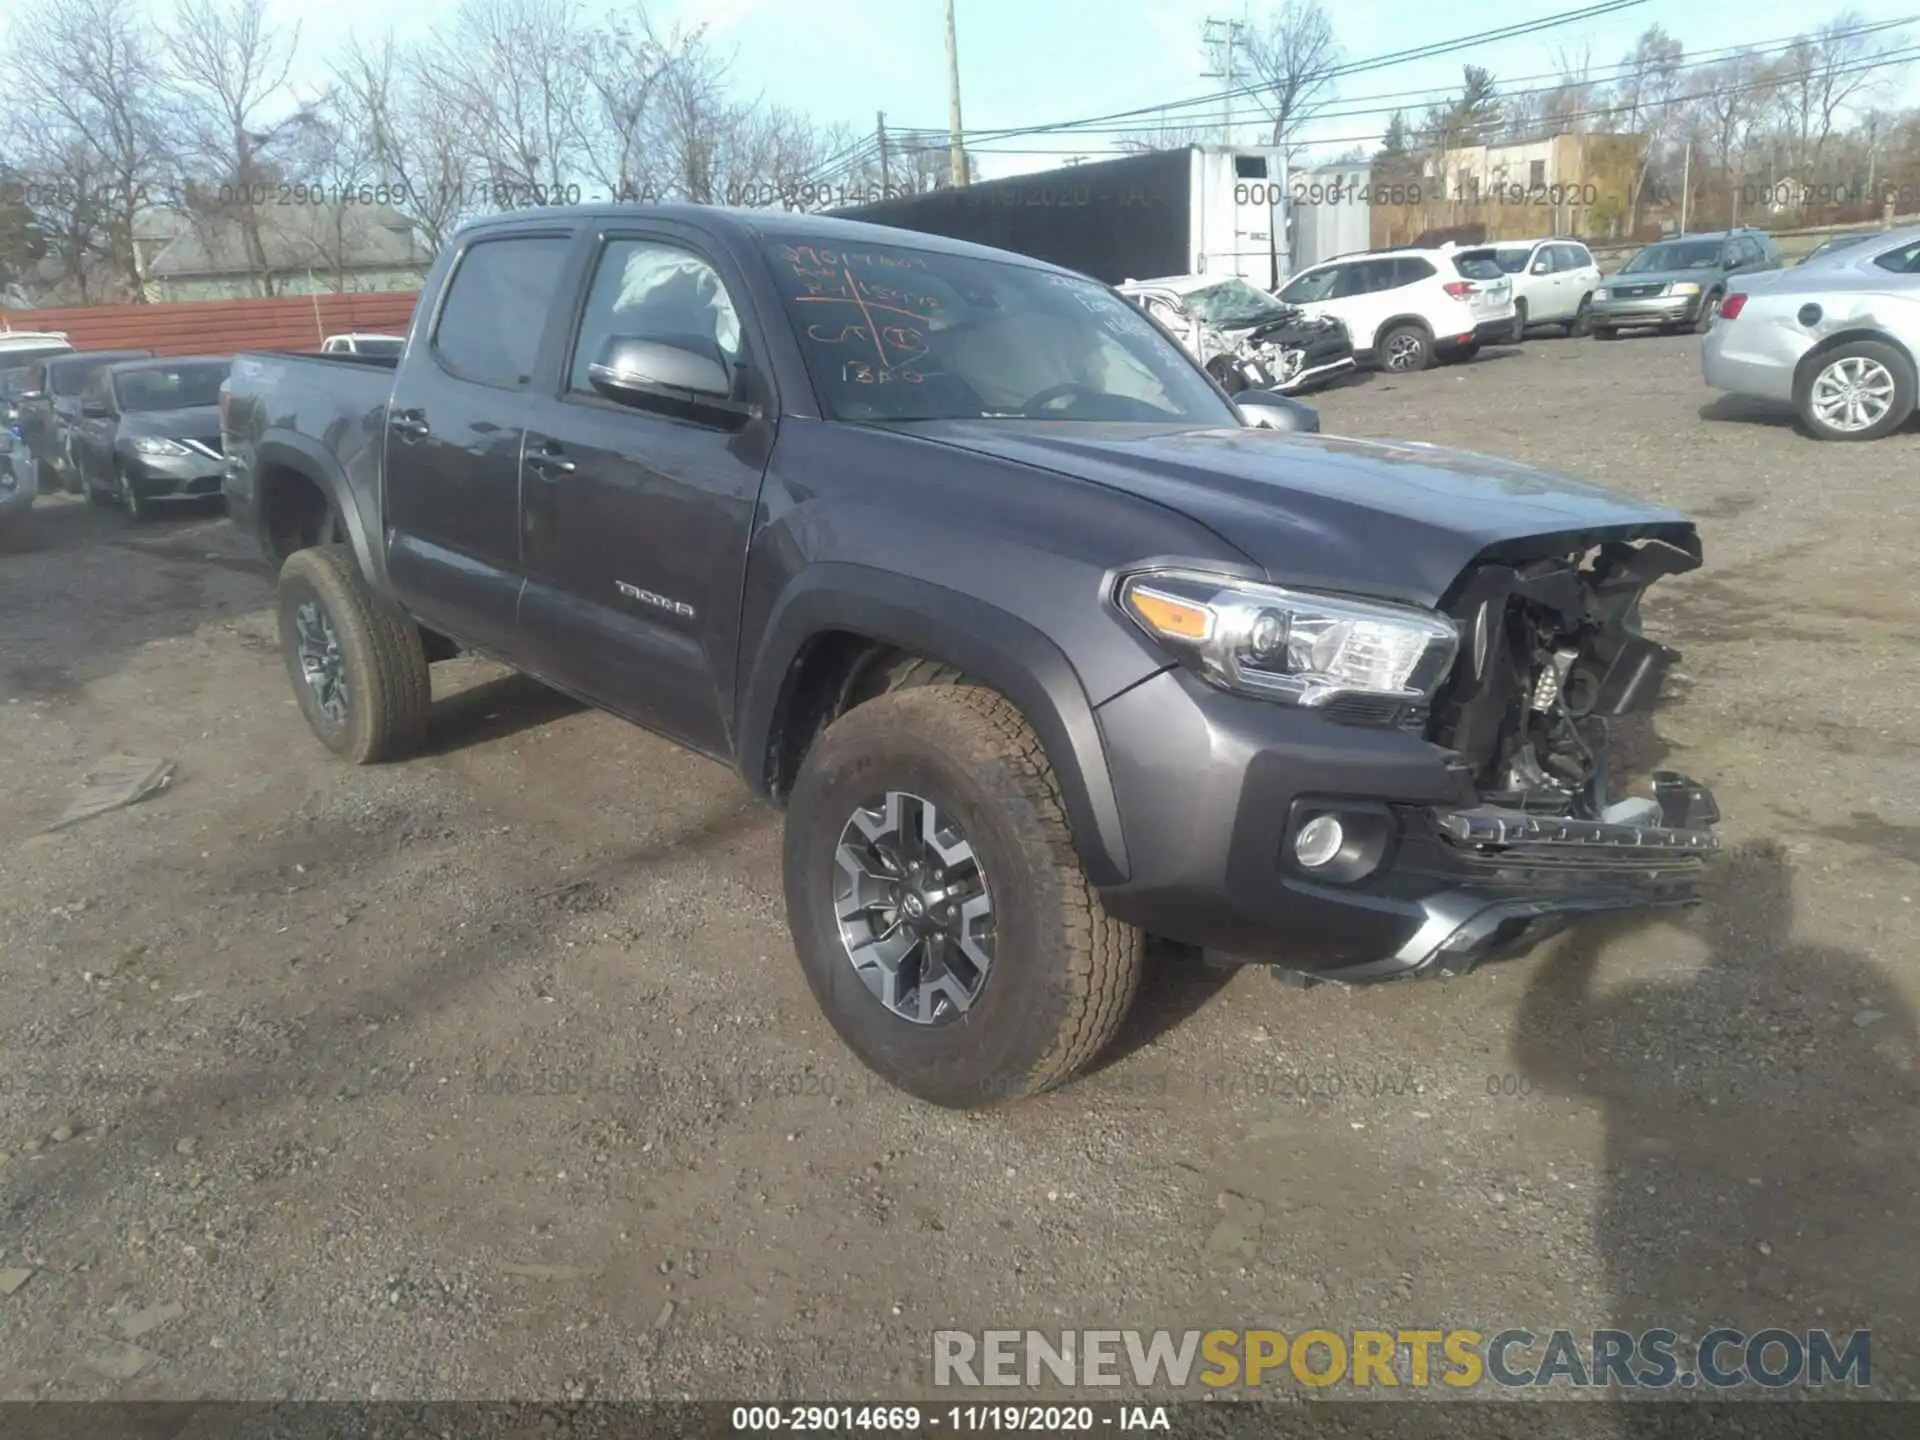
(1318, 841)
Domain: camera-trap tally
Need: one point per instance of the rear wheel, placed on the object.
(357, 664)
(1858, 391)
(1405, 348)
(937, 905)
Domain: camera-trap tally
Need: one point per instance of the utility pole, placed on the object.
(956, 152)
(1686, 185)
(1219, 38)
(880, 129)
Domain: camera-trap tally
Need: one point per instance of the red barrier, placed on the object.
(221, 327)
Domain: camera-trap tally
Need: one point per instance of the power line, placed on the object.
(1902, 56)
(1358, 67)
(1430, 97)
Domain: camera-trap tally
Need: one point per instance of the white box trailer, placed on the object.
(1197, 210)
(1331, 211)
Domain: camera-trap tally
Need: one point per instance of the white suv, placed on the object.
(1407, 308)
(1553, 282)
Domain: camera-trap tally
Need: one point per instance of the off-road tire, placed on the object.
(1064, 973)
(389, 692)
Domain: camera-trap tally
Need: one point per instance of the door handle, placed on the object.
(549, 462)
(410, 424)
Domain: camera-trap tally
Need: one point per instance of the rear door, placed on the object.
(635, 520)
(454, 430)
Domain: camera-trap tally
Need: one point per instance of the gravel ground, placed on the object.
(492, 1075)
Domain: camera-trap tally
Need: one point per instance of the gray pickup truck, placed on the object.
(1041, 643)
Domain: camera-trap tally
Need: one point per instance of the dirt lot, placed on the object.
(261, 1032)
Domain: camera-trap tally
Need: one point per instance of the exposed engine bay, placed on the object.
(1280, 355)
(1550, 655)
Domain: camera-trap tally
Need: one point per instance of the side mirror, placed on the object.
(1540, 267)
(636, 372)
(1265, 410)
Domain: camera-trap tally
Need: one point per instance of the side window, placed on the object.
(1903, 261)
(1575, 257)
(1406, 270)
(1313, 285)
(496, 308)
(647, 290)
(1361, 278)
(94, 392)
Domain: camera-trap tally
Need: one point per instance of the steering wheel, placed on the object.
(1047, 398)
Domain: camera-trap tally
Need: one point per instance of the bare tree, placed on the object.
(1845, 69)
(1170, 136)
(418, 147)
(627, 67)
(228, 63)
(87, 69)
(1728, 100)
(1646, 100)
(1294, 59)
(1566, 107)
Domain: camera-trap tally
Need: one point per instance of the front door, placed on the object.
(635, 520)
(453, 436)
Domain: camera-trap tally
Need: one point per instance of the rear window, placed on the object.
(497, 306)
(1510, 262)
(1902, 261)
(1480, 265)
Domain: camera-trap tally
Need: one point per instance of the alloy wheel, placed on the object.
(916, 917)
(1403, 352)
(1853, 394)
(322, 665)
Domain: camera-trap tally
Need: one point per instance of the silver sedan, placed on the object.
(1835, 338)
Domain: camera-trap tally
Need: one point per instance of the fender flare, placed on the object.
(289, 450)
(981, 640)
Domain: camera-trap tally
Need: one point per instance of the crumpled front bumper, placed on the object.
(1521, 876)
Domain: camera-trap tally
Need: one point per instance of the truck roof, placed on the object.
(761, 224)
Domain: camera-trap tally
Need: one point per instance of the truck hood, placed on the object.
(1398, 521)
(1702, 278)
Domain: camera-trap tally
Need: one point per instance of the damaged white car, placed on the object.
(1246, 339)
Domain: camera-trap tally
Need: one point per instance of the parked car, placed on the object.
(1835, 243)
(23, 347)
(149, 431)
(1678, 284)
(1243, 336)
(1406, 308)
(1553, 282)
(50, 404)
(385, 345)
(17, 482)
(1043, 648)
(1836, 341)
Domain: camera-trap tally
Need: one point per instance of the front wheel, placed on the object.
(1858, 391)
(1405, 348)
(1582, 318)
(1519, 322)
(357, 664)
(1709, 311)
(939, 910)
(139, 509)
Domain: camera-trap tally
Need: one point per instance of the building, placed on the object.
(1550, 185)
(308, 248)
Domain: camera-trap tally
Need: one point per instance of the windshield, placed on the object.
(891, 333)
(1232, 302)
(1675, 255)
(171, 387)
(1511, 262)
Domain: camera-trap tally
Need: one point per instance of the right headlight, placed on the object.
(1291, 645)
